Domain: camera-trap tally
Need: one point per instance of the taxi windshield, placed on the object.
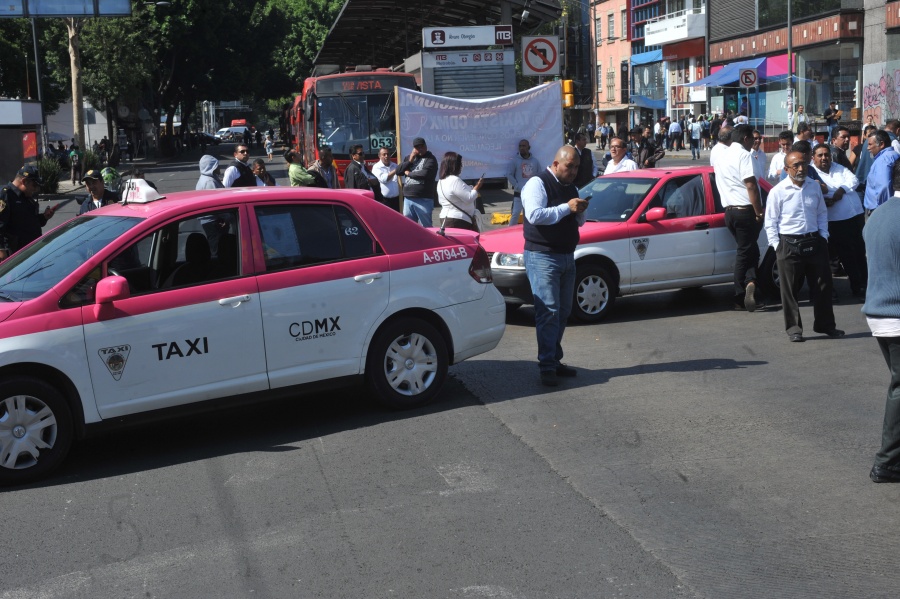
(29, 273)
(614, 199)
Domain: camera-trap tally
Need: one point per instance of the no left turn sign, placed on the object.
(748, 77)
(540, 56)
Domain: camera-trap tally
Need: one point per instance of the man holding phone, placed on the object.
(553, 214)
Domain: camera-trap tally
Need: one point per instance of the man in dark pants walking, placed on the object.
(797, 227)
(739, 189)
(882, 310)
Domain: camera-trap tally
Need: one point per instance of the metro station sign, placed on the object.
(462, 37)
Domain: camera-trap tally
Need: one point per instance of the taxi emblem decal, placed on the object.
(640, 246)
(115, 359)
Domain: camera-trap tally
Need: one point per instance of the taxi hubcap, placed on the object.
(411, 364)
(592, 294)
(27, 427)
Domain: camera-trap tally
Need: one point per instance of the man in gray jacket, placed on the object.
(209, 171)
(521, 168)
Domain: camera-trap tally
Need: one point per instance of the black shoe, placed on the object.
(548, 378)
(833, 333)
(750, 297)
(567, 371)
(884, 475)
(796, 337)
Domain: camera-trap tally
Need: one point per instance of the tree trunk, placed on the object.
(74, 24)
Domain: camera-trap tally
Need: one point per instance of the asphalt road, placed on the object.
(697, 454)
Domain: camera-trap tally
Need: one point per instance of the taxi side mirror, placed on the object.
(110, 289)
(655, 214)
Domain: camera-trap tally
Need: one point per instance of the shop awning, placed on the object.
(645, 102)
(647, 57)
(729, 74)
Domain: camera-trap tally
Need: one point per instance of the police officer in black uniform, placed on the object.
(98, 196)
(20, 216)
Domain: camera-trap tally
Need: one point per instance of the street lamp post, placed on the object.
(790, 61)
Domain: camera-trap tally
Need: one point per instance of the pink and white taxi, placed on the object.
(206, 299)
(646, 230)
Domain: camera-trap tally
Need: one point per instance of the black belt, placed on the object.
(744, 207)
(803, 236)
(517, 195)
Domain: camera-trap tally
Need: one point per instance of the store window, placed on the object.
(832, 72)
(773, 13)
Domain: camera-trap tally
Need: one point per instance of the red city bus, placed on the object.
(346, 109)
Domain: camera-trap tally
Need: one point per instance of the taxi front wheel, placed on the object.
(595, 293)
(407, 363)
(35, 429)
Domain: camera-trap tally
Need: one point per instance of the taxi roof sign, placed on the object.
(138, 191)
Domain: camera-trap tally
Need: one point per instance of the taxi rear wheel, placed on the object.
(595, 293)
(35, 429)
(407, 363)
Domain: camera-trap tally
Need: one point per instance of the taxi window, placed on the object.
(296, 236)
(32, 271)
(681, 197)
(614, 199)
(200, 249)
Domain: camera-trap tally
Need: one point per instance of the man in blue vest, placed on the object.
(553, 214)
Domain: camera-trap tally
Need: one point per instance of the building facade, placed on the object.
(612, 51)
(827, 44)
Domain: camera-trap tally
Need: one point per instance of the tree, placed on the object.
(17, 72)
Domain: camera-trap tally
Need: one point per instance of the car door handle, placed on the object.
(701, 226)
(234, 302)
(367, 278)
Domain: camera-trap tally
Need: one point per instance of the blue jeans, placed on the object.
(418, 210)
(516, 210)
(552, 279)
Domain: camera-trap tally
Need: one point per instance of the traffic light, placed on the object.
(568, 93)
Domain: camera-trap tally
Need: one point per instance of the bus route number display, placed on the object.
(356, 85)
(376, 142)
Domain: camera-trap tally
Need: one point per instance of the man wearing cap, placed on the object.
(419, 183)
(20, 217)
(98, 196)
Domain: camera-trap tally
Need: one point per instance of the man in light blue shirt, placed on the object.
(878, 182)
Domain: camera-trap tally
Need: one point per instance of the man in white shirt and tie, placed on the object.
(797, 227)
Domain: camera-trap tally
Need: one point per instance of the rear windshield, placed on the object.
(33, 271)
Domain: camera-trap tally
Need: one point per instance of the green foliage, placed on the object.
(176, 55)
(17, 72)
(50, 171)
(89, 161)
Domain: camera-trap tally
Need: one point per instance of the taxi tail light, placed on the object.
(480, 269)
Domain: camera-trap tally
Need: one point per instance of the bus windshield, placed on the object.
(346, 120)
